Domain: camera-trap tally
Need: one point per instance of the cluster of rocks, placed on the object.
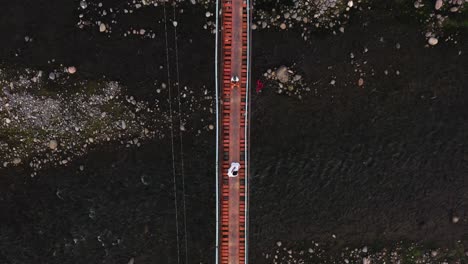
(43, 127)
(104, 18)
(397, 253)
(439, 15)
(287, 81)
(40, 126)
(306, 14)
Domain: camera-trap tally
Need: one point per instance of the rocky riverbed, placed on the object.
(358, 136)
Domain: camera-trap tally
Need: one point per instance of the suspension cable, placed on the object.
(217, 132)
(172, 134)
(180, 136)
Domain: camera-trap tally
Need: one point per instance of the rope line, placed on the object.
(217, 132)
(180, 136)
(172, 133)
(247, 133)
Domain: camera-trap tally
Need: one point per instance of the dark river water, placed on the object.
(373, 164)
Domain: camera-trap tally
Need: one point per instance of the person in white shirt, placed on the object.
(234, 169)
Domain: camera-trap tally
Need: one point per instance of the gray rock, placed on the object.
(282, 74)
(297, 77)
(53, 144)
(83, 4)
(433, 41)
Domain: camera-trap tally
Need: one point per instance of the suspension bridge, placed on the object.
(232, 70)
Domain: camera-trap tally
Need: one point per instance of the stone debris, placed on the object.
(396, 252)
(53, 144)
(83, 4)
(286, 81)
(71, 69)
(437, 17)
(102, 27)
(55, 128)
(432, 41)
(282, 74)
(360, 82)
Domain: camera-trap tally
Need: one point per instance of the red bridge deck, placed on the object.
(233, 131)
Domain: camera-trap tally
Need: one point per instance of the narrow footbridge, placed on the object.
(233, 37)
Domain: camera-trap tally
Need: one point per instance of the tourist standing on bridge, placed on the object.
(234, 169)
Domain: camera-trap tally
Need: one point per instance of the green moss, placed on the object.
(92, 87)
(456, 23)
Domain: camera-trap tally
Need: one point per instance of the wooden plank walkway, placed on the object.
(233, 126)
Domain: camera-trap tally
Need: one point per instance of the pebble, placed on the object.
(53, 144)
(364, 249)
(438, 4)
(433, 41)
(365, 261)
(361, 82)
(350, 3)
(174, 23)
(7, 121)
(282, 74)
(208, 14)
(52, 76)
(123, 125)
(455, 219)
(398, 46)
(102, 27)
(83, 4)
(434, 253)
(279, 243)
(332, 82)
(131, 261)
(297, 77)
(16, 161)
(71, 69)
(283, 26)
(81, 167)
(341, 29)
(211, 127)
